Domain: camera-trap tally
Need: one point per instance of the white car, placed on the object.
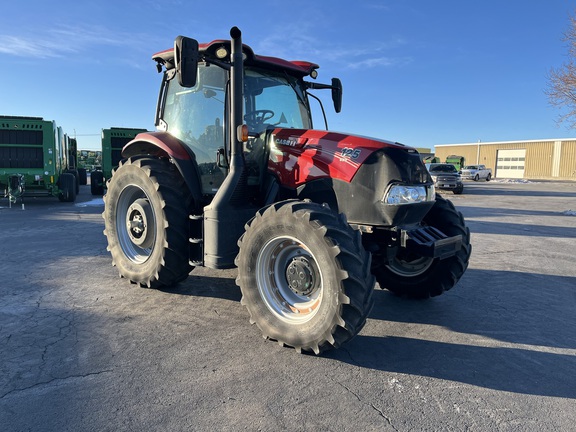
(476, 172)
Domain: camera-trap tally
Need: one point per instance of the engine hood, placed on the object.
(298, 156)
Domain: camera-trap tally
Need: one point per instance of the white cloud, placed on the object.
(27, 47)
(60, 42)
(379, 62)
(300, 44)
(289, 44)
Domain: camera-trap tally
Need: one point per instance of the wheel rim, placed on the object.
(289, 280)
(135, 224)
(413, 268)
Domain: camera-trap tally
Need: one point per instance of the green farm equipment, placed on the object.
(35, 160)
(113, 140)
(457, 161)
(431, 159)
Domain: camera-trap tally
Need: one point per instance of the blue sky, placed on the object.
(420, 72)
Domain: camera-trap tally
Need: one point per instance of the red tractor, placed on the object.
(236, 176)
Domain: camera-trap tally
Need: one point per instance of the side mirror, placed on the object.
(337, 94)
(186, 56)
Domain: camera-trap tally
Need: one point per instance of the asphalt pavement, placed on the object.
(84, 350)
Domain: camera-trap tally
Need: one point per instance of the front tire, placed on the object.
(304, 276)
(146, 222)
(422, 277)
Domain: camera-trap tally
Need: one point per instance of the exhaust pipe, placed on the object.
(229, 211)
(237, 93)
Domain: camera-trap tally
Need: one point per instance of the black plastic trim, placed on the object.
(361, 199)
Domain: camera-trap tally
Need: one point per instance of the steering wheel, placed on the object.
(258, 116)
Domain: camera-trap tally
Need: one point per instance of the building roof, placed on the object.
(505, 142)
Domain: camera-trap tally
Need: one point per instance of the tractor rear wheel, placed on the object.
(304, 275)
(422, 277)
(146, 222)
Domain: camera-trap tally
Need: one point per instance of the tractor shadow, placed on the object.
(498, 336)
(515, 370)
(501, 330)
(224, 288)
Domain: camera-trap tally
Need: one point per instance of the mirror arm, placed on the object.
(218, 63)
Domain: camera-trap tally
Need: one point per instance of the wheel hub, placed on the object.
(139, 223)
(301, 276)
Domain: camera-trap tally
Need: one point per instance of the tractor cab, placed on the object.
(194, 102)
(196, 116)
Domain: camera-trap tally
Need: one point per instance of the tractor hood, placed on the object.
(298, 156)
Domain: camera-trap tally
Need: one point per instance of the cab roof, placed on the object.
(208, 50)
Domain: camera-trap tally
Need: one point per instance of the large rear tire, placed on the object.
(305, 276)
(146, 222)
(422, 277)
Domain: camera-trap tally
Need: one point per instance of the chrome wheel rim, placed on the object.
(289, 279)
(135, 224)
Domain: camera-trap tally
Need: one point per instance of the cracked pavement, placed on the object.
(83, 350)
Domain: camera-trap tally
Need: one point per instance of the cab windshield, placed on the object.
(276, 100)
(197, 115)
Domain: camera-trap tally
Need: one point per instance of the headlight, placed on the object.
(400, 194)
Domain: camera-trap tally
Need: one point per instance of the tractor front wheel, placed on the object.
(146, 222)
(415, 276)
(304, 276)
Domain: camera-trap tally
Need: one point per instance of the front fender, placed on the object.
(163, 144)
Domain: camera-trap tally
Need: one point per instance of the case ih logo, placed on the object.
(287, 142)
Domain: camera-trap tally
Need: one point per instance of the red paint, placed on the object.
(302, 67)
(298, 156)
(156, 144)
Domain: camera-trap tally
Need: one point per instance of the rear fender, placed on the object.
(164, 145)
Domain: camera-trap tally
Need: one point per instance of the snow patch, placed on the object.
(96, 202)
(524, 181)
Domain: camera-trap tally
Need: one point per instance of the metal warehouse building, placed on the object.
(553, 159)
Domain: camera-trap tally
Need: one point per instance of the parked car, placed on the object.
(446, 176)
(476, 172)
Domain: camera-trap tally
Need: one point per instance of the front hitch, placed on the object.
(430, 242)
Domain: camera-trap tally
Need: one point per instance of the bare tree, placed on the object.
(561, 90)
